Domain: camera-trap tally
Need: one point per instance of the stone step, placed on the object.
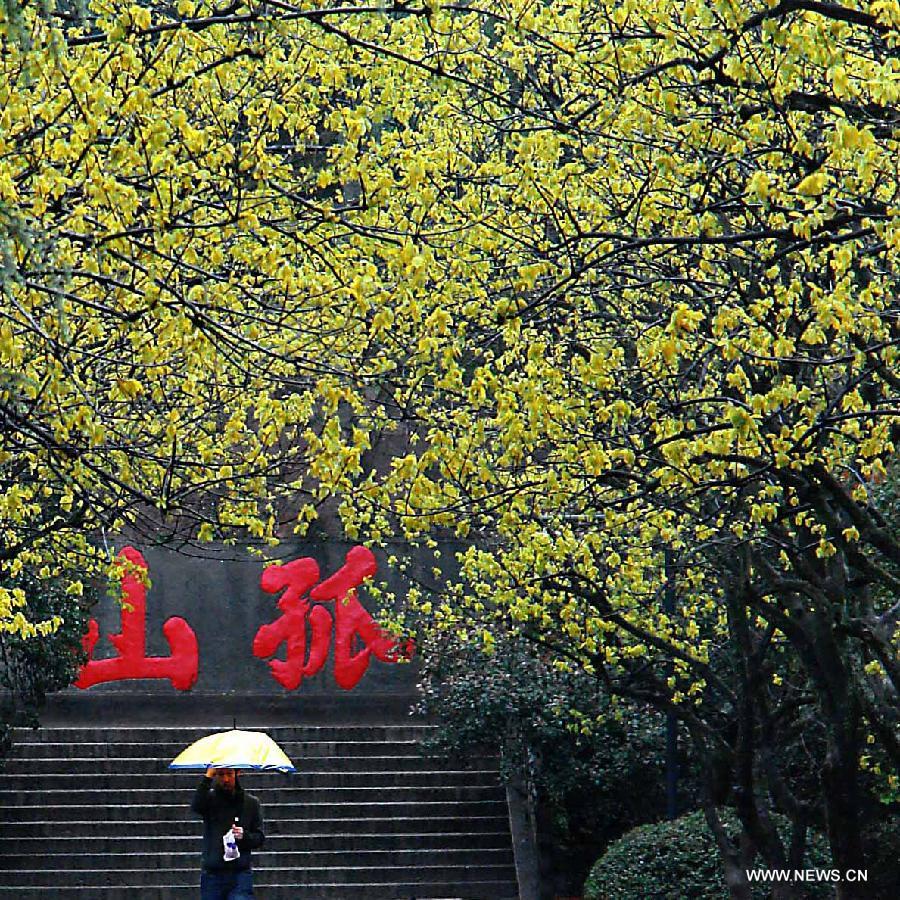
(264, 783)
(376, 860)
(369, 816)
(475, 889)
(347, 875)
(185, 735)
(426, 823)
(167, 751)
(95, 812)
(141, 766)
(347, 842)
(145, 797)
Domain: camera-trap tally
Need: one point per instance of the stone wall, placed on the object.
(220, 598)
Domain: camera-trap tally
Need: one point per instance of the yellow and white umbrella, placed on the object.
(234, 749)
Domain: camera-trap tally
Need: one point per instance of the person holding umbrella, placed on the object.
(232, 828)
(232, 818)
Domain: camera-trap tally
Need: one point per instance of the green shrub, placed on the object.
(679, 859)
(33, 667)
(882, 846)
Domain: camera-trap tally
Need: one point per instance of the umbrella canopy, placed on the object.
(234, 749)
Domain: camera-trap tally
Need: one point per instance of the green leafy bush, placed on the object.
(31, 668)
(678, 859)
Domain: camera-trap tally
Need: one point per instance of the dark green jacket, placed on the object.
(219, 810)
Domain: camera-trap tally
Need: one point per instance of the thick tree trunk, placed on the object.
(734, 858)
(840, 785)
(736, 880)
(760, 833)
(840, 771)
(825, 653)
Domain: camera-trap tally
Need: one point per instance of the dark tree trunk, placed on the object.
(840, 785)
(840, 770)
(758, 827)
(735, 859)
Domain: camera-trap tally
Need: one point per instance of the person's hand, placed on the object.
(238, 832)
(210, 772)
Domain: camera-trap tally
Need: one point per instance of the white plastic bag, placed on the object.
(230, 844)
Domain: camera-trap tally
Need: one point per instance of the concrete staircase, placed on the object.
(93, 812)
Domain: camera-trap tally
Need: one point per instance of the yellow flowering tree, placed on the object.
(184, 285)
(649, 312)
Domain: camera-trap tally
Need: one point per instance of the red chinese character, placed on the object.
(350, 617)
(180, 667)
(295, 578)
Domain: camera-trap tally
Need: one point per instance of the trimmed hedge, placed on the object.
(882, 843)
(679, 859)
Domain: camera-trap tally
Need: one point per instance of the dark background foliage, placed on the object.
(592, 769)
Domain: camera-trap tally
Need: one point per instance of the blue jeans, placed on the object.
(226, 885)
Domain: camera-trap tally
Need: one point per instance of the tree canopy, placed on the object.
(184, 292)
